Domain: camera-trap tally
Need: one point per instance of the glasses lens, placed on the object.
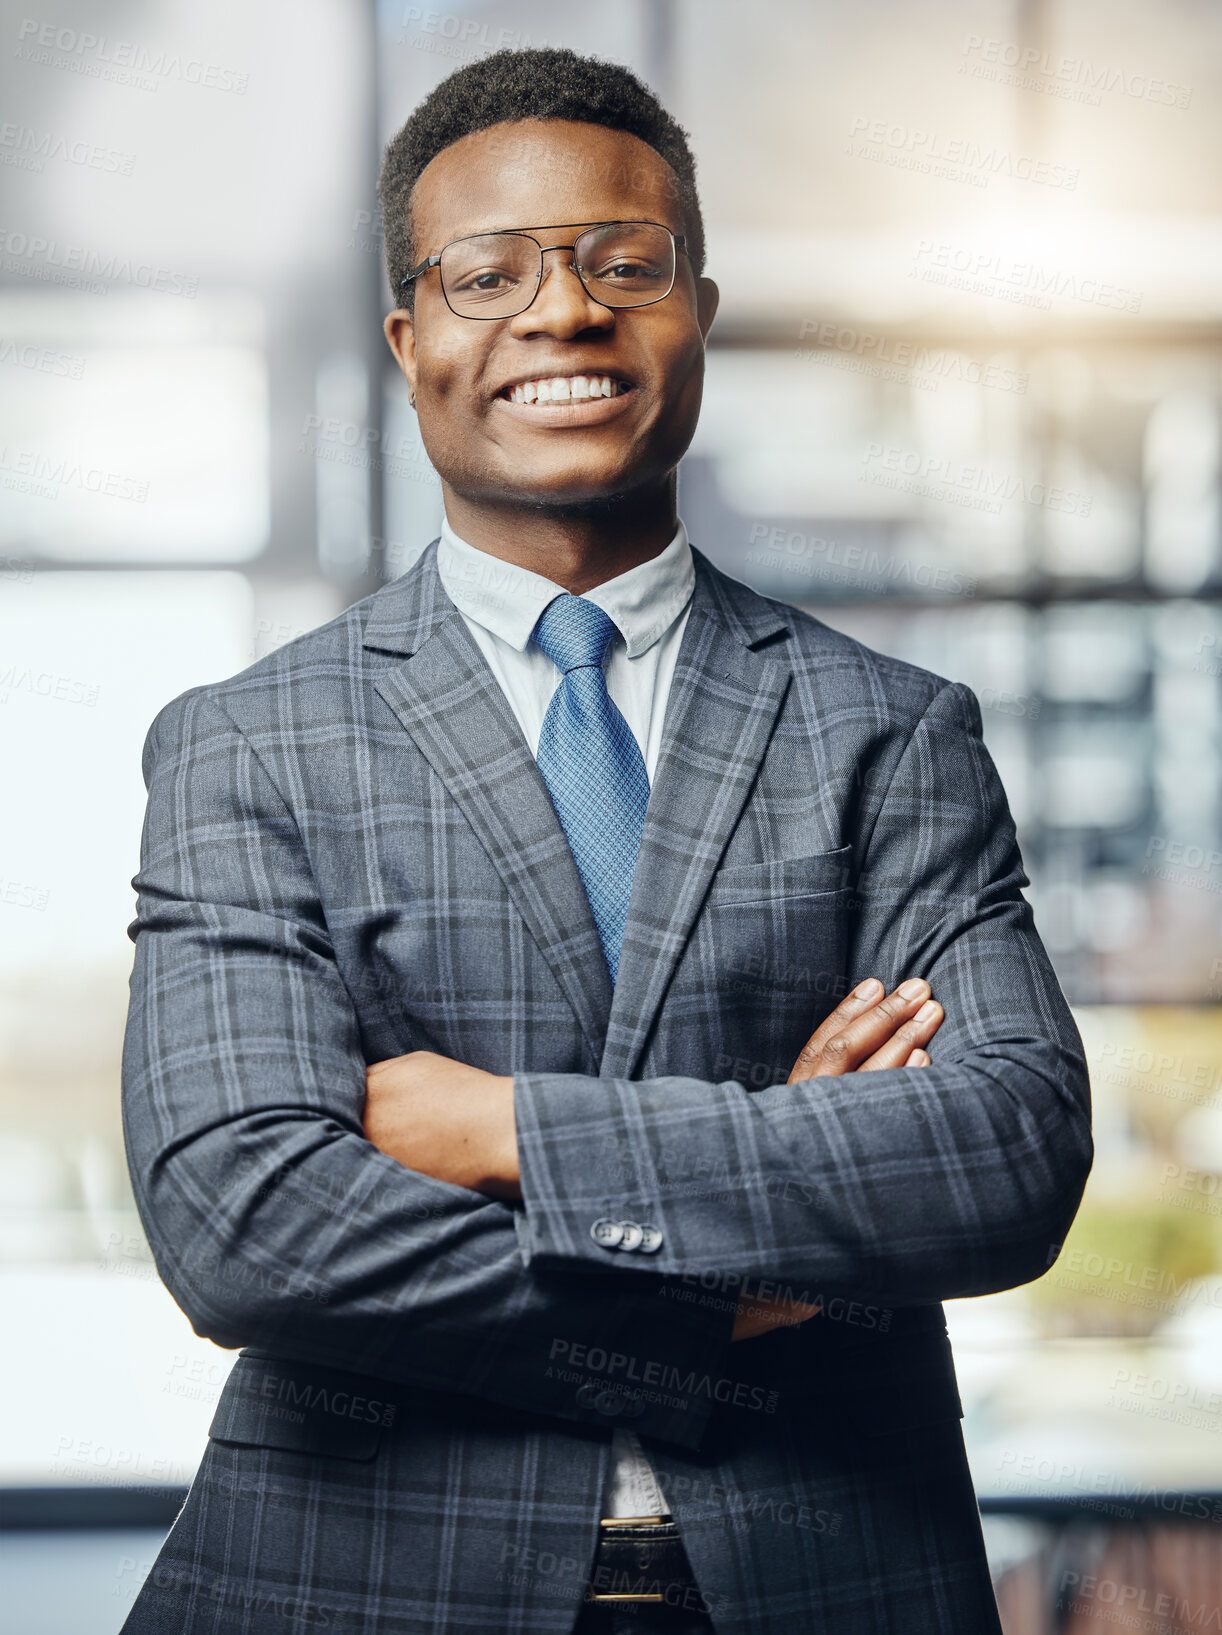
(627, 264)
(492, 276)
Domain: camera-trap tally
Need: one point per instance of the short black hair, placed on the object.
(546, 83)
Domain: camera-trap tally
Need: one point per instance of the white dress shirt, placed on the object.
(500, 604)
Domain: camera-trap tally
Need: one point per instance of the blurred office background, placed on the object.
(964, 400)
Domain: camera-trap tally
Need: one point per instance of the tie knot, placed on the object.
(573, 632)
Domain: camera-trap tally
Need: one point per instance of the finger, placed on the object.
(919, 1058)
(779, 1313)
(914, 1034)
(863, 998)
(846, 1050)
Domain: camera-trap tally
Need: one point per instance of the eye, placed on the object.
(485, 281)
(625, 272)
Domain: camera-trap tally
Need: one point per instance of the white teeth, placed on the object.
(566, 389)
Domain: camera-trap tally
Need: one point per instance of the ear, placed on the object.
(400, 334)
(707, 297)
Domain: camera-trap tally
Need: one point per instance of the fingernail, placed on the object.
(927, 1011)
(913, 988)
(869, 989)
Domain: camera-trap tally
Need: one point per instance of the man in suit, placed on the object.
(526, 1060)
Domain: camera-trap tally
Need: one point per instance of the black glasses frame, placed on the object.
(678, 242)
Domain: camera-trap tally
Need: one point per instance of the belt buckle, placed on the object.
(629, 1523)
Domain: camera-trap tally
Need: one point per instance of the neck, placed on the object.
(575, 546)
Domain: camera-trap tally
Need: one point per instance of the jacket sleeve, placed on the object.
(908, 1185)
(273, 1221)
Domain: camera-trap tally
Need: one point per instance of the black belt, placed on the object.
(641, 1558)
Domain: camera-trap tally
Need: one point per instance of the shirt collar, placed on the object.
(643, 602)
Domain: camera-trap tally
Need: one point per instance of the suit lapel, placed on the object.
(723, 702)
(447, 698)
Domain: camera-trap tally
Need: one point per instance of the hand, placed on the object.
(760, 1316)
(864, 1033)
(867, 1031)
(446, 1120)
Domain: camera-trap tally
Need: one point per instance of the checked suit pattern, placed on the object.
(349, 853)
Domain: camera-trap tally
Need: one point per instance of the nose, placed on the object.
(562, 305)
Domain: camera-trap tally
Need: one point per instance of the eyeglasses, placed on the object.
(497, 275)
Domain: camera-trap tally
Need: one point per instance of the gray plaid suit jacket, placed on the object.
(349, 853)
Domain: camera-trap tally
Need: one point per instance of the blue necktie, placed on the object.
(591, 763)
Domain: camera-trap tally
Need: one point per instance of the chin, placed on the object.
(575, 490)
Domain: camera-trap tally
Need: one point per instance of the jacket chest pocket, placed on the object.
(774, 883)
(766, 962)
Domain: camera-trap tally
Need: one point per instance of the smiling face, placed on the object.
(634, 375)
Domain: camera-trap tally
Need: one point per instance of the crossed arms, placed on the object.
(276, 1222)
(456, 1122)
